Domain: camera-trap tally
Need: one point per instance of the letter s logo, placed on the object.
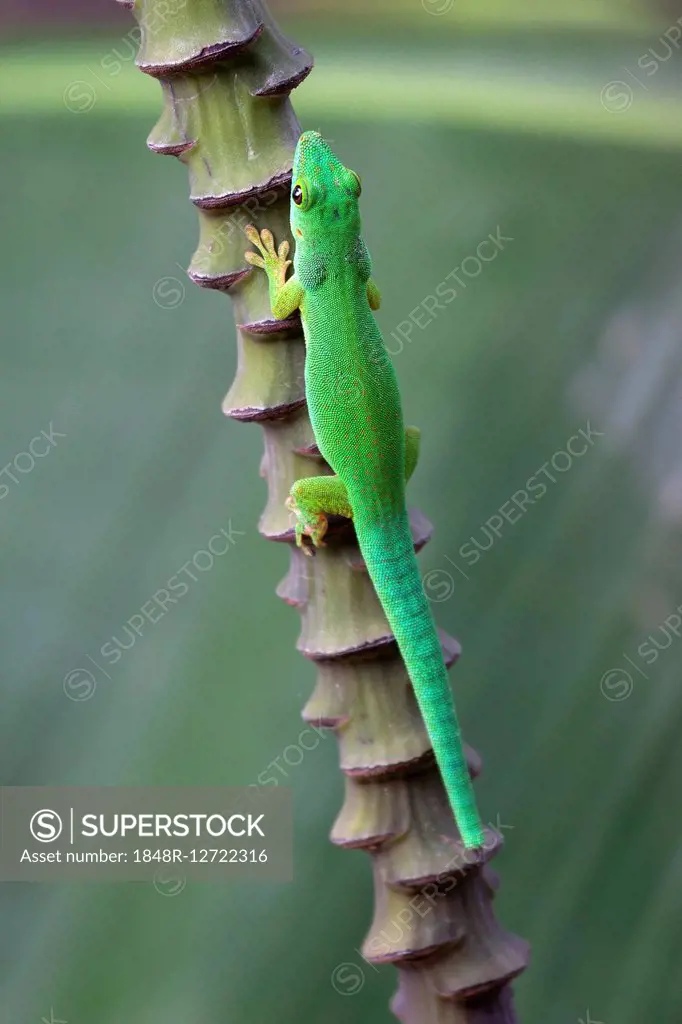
(46, 826)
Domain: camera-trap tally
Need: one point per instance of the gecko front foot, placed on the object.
(273, 261)
(308, 525)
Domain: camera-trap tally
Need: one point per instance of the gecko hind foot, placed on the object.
(310, 527)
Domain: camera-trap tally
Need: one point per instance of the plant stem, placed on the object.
(226, 73)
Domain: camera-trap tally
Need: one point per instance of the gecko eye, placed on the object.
(356, 182)
(301, 195)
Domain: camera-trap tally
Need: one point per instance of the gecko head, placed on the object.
(324, 193)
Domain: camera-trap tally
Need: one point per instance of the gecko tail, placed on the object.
(388, 551)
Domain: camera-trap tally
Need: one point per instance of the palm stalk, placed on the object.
(226, 73)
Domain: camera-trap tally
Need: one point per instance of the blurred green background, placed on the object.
(540, 123)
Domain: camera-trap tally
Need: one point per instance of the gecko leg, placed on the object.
(285, 296)
(312, 499)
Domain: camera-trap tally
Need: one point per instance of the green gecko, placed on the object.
(355, 410)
